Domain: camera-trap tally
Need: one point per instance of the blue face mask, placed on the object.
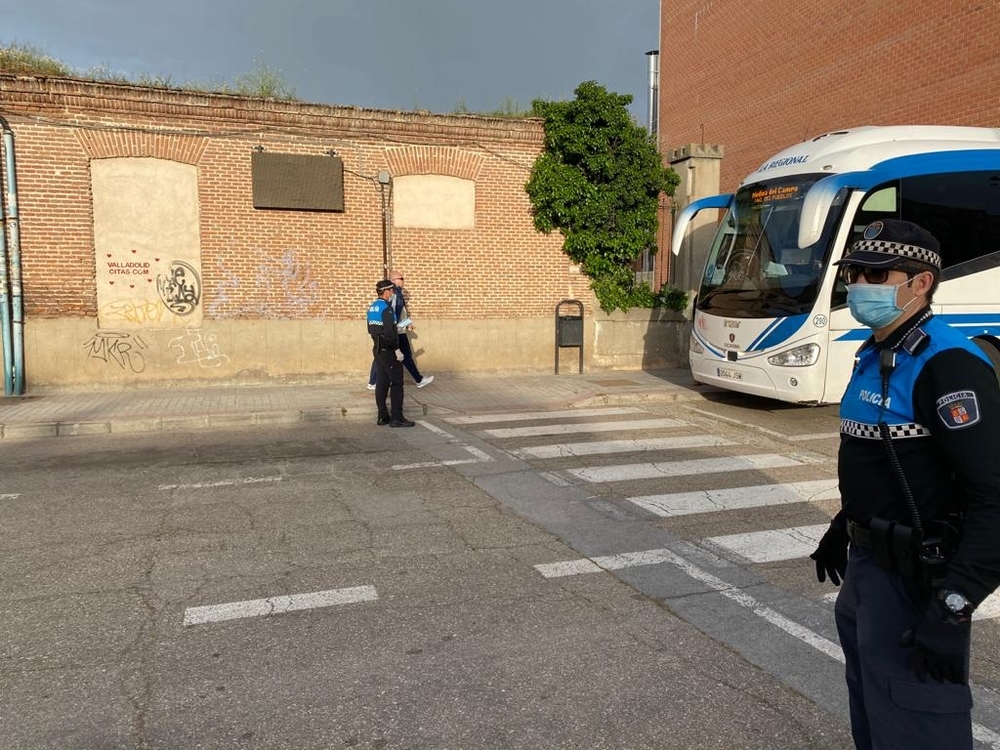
(874, 305)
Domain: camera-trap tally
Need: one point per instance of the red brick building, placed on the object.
(755, 78)
(146, 258)
(758, 77)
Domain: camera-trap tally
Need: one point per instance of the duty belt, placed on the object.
(892, 545)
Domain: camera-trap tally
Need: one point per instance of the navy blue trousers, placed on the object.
(388, 382)
(408, 362)
(890, 707)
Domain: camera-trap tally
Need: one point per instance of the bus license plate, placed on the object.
(729, 374)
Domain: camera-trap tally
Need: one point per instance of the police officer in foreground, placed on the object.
(388, 357)
(920, 500)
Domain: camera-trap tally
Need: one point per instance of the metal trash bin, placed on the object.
(569, 329)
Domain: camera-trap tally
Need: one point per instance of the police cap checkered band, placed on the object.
(382, 285)
(891, 242)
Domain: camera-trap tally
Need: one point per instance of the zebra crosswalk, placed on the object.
(654, 454)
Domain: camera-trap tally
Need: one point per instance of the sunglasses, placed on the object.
(851, 274)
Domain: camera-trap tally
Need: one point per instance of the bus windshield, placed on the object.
(755, 268)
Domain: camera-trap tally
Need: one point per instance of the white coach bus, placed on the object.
(771, 316)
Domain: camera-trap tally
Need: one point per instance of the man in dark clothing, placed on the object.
(920, 500)
(388, 358)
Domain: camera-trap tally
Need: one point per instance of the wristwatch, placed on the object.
(956, 604)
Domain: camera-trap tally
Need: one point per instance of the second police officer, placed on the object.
(387, 357)
(920, 500)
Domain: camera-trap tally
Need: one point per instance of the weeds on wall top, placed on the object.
(263, 82)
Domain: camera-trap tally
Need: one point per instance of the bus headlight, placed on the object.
(694, 347)
(800, 356)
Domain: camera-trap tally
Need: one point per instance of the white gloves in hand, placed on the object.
(399, 355)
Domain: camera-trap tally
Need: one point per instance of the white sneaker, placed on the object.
(371, 386)
(425, 380)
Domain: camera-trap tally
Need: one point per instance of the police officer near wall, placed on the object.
(920, 500)
(387, 356)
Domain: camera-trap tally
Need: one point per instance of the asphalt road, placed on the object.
(476, 582)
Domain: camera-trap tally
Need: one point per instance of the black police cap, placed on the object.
(887, 243)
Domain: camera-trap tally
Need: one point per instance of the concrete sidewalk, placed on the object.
(81, 412)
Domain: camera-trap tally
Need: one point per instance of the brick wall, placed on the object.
(501, 269)
(758, 77)
(283, 292)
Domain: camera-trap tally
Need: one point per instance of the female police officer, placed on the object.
(920, 500)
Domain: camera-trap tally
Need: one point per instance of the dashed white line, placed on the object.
(659, 469)
(571, 429)
(274, 605)
(707, 501)
(563, 450)
(221, 483)
(758, 428)
(434, 464)
(652, 557)
(772, 545)
(528, 416)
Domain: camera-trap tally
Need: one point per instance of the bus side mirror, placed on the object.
(683, 219)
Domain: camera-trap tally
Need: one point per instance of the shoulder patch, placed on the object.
(959, 409)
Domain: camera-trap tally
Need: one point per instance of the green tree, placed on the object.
(598, 181)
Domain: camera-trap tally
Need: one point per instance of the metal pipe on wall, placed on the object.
(653, 124)
(11, 307)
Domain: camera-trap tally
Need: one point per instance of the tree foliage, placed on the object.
(598, 181)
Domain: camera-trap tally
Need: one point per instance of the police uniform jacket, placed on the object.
(382, 326)
(943, 413)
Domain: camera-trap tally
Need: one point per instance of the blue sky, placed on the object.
(390, 54)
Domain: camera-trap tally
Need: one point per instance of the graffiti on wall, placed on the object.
(121, 348)
(198, 348)
(133, 312)
(283, 286)
(147, 243)
(152, 293)
(179, 288)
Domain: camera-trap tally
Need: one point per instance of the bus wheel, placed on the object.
(991, 348)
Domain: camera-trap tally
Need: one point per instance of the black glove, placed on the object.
(831, 555)
(940, 643)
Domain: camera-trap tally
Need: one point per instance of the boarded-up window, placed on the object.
(298, 181)
(433, 201)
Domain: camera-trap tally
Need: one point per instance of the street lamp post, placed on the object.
(385, 191)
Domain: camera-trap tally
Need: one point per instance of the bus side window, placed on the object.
(839, 295)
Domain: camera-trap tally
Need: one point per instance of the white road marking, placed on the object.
(627, 472)
(10, 496)
(652, 557)
(434, 464)
(570, 429)
(435, 429)
(758, 428)
(553, 478)
(706, 501)
(988, 608)
(274, 605)
(528, 416)
(986, 736)
(562, 450)
(568, 568)
(221, 483)
(772, 545)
